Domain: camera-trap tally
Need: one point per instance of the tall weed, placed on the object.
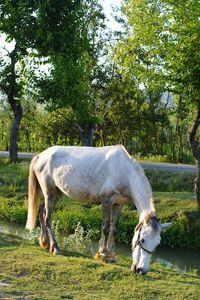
(80, 241)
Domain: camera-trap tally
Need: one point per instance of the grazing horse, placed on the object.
(106, 175)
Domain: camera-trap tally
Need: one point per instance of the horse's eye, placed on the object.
(142, 241)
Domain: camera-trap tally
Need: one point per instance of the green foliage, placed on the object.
(13, 178)
(166, 37)
(174, 207)
(72, 214)
(4, 129)
(67, 33)
(55, 128)
(34, 234)
(12, 210)
(185, 231)
(73, 45)
(153, 54)
(80, 241)
(152, 158)
(54, 61)
(170, 182)
(127, 223)
(158, 51)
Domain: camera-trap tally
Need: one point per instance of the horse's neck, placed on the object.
(143, 201)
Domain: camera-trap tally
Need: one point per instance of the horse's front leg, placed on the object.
(116, 211)
(106, 213)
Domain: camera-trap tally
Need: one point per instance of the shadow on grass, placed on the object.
(74, 254)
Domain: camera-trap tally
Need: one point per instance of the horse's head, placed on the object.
(145, 240)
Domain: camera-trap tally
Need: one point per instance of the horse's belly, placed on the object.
(83, 196)
(89, 189)
(80, 193)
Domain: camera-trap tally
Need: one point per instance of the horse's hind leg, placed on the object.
(49, 204)
(51, 194)
(44, 237)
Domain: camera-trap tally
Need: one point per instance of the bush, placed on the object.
(185, 231)
(13, 211)
(170, 182)
(80, 241)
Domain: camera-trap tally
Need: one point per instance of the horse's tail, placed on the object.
(33, 197)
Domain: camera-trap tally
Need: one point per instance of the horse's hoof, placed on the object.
(110, 260)
(43, 243)
(99, 256)
(56, 251)
(105, 258)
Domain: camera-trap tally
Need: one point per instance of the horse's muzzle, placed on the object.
(140, 271)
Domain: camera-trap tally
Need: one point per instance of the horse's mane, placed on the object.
(142, 175)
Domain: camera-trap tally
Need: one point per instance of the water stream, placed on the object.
(181, 259)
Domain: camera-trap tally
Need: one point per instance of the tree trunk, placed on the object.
(180, 146)
(86, 134)
(173, 148)
(28, 143)
(17, 111)
(2, 131)
(12, 91)
(194, 145)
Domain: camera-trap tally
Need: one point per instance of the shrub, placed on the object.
(170, 182)
(185, 231)
(13, 211)
(80, 241)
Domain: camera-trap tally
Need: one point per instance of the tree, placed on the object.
(73, 48)
(58, 32)
(164, 35)
(18, 30)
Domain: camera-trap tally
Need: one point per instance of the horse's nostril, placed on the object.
(139, 271)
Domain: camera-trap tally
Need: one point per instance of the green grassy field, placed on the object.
(27, 272)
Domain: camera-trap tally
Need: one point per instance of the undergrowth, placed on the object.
(80, 241)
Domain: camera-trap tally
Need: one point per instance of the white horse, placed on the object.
(106, 175)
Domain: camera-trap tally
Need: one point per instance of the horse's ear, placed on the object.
(165, 226)
(138, 226)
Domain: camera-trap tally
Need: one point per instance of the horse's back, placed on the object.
(85, 172)
(58, 155)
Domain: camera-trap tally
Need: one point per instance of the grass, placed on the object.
(30, 273)
(168, 204)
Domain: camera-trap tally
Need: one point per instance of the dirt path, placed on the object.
(175, 168)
